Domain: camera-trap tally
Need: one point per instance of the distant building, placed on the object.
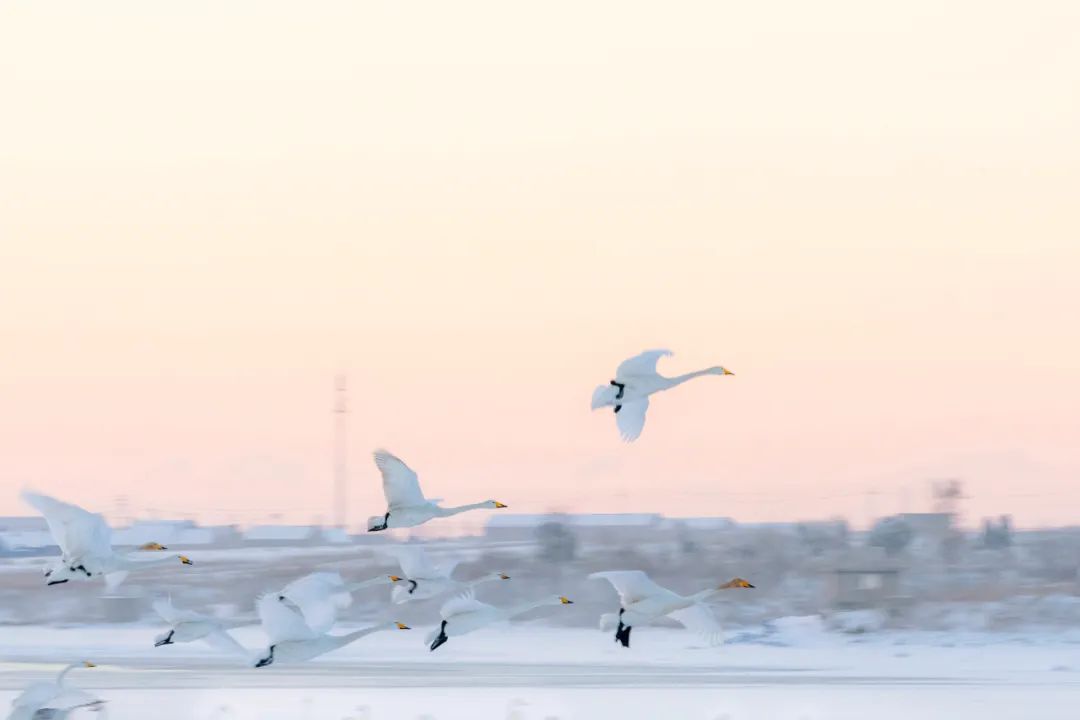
(283, 535)
(863, 579)
(599, 528)
(25, 534)
(174, 533)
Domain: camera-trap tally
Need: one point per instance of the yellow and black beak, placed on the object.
(87, 663)
(565, 600)
(152, 546)
(402, 626)
(504, 576)
(728, 372)
(395, 578)
(186, 560)
(499, 504)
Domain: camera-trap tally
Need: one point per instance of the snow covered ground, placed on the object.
(793, 670)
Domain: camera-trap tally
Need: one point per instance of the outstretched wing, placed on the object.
(224, 642)
(319, 596)
(416, 564)
(174, 615)
(400, 484)
(461, 604)
(632, 585)
(643, 364)
(280, 622)
(631, 419)
(78, 532)
(700, 619)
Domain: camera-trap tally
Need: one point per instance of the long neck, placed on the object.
(126, 563)
(63, 673)
(523, 607)
(483, 579)
(342, 640)
(680, 379)
(380, 580)
(443, 512)
(699, 596)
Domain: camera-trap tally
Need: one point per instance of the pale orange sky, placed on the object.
(478, 209)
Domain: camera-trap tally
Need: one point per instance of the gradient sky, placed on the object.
(478, 209)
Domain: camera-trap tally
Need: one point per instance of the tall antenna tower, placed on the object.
(341, 451)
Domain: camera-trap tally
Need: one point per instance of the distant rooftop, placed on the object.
(522, 520)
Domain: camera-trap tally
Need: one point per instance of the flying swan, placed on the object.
(641, 601)
(635, 380)
(406, 504)
(464, 613)
(85, 543)
(425, 579)
(188, 626)
(293, 640)
(52, 699)
(321, 595)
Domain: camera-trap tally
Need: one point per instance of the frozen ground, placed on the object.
(532, 671)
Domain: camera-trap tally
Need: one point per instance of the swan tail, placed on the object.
(603, 396)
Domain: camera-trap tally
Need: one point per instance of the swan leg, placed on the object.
(621, 386)
(412, 586)
(167, 640)
(618, 408)
(377, 528)
(441, 638)
(622, 634)
(266, 660)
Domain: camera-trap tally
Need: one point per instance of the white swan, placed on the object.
(85, 543)
(406, 504)
(52, 699)
(464, 613)
(293, 640)
(641, 601)
(320, 596)
(188, 626)
(635, 380)
(425, 579)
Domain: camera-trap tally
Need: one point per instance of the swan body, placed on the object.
(424, 579)
(293, 640)
(85, 543)
(464, 614)
(642, 601)
(406, 504)
(635, 380)
(52, 698)
(187, 626)
(319, 597)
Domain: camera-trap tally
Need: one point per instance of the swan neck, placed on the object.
(63, 673)
(680, 379)
(460, 509)
(126, 563)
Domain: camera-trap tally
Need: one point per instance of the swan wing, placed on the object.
(632, 585)
(223, 641)
(280, 622)
(319, 596)
(78, 532)
(174, 615)
(631, 419)
(639, 365)
(401, 486)
(700, 619)
(461, 604)
(416, 564)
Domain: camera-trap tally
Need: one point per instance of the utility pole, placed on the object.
(341, 451)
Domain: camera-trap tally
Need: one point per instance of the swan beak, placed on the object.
(402, 626)
(186, 560)
(728, 372)
(565, 600)
(153, 546)
(394, 578)
(87, 663)
(504, 576)
(499, 504)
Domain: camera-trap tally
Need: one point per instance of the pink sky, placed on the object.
(868, 213)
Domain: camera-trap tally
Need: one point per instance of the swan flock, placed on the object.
(297, 619)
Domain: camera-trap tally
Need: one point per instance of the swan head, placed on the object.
(719, 371)
(563, 600)
(736, 583)
(395, 578)
(185, 560)
(152, 546)
(402, 626)
(88, 664)
(495, 504)
(502, 576)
